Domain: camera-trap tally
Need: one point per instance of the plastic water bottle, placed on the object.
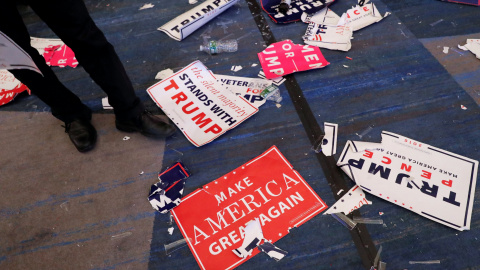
(272, 93)
(214, 47)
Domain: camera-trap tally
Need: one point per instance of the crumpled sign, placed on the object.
(329, 37)
(167, 193)
(13, 56)
(429, 181)
(10, 87)
(324, 17)
(185, 24)
(359, 17)
(249, 88)
(192, 100)
(294, 13)
(473, 45)
(216, 217)
(55, 52)
(352, 200)
(282, 58)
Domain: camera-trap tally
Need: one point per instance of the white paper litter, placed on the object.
(359, 17)
(146, 6)
(106, 105)
(352, 200)
(164, 74)
(473, 45)
(253, 237)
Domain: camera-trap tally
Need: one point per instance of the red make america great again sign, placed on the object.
(213, 218)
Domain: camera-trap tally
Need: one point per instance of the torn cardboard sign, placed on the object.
(352, 200)
(294, 13)
(10, 87)
(55, 52)
(215, 216)
(192, 100)
(359, 17)
(13, 56)
(167, 193)
(324, 17)
(185, 24)
(282, 58)
(329, 37)
(429, 181)
(249, 88)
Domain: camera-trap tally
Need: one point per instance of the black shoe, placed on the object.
(148, 125)
(82, 134)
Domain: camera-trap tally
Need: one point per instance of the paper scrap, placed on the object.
(146, 6)
(106, 105)
(170, 230)
(445, 50)
(10, 87)
(185, 24)
(359, 17)
(13, 56)
(352, 200)
(296, 10)
(429, 181)
(216, 216)
(253, 237)
(192, 100)
(329, 37)
(329, 141)
(248, 88)
(126, 138)
(191, 2)
(285, 57)
(164, 74)
(168, 192)
(272, 251)
(473, 45)
(463, 107)
(236, 68)
(55, 52)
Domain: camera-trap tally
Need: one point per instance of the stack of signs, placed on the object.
(10, 87)
(429, 181)
(214, 218)
(185, 24)
(249, 88)
(294, 13)
(282, 58)
(55, 52)
(192, 100)
(168, 192)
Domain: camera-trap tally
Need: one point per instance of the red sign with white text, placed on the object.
(213, 218)
(284, 57)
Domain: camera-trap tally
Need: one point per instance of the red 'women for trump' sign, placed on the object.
(213, 218)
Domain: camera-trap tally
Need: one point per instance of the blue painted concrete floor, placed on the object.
(63, 210)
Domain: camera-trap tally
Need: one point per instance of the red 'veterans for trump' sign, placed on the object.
(213, 218)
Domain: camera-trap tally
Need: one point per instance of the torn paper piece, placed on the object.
(295, 11)
(192, 100)
(13, 56)
(359, 17)
(249, 88)
(192, 2)
(272, 251)
(106, 105)
(429, 181)
(167, 193)
(329, 37)
(146, 6)
(324, 17)
(463, 107)
(215, 216)
(10, 87)
(445, 50)
(352, 200)
(164, 74)
(285, 57)
(473, 45)
(185, 24)
(236, 68)
(276, 81)
(41, 43)
(170, 230)
(126, 138)
(329, 141)
(55, 52)
(253, 236)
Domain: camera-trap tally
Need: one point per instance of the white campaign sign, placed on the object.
(192, 100)
(249, 88)
(429, 181)
(185, 24)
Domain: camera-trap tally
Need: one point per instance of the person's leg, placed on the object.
(65, 105)
(69, 19)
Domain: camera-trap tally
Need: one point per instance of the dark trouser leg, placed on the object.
(69, 19)
(65, 105)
